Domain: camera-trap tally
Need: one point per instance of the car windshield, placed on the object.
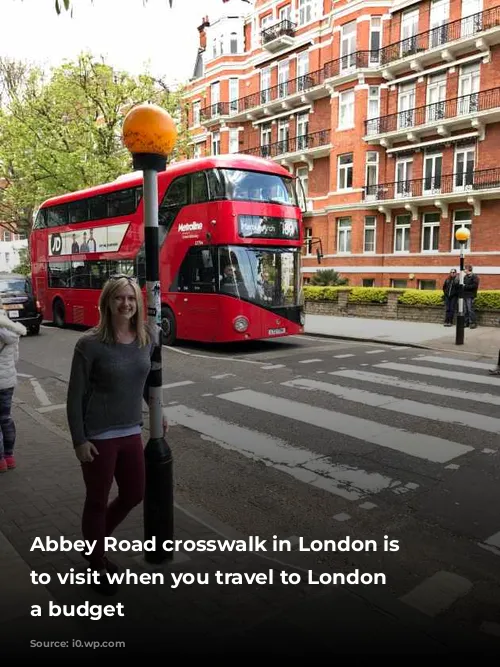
(13, 285)
(267, 276)
(242, 185)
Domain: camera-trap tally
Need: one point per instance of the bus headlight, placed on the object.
(240, 324)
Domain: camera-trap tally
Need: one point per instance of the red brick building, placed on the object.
(389, 114)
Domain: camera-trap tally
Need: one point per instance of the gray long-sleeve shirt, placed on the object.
(106, 387)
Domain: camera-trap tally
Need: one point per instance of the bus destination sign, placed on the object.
(262, 226)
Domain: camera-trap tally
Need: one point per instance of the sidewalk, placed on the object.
(483, 341)
(43, 498)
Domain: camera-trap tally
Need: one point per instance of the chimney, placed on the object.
(201, 29)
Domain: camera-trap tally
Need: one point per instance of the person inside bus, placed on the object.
(85, 246)
(232, 282)
(108, 382)
(75, 248)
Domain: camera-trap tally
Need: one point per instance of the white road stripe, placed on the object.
(494, 540)
(306, 466)
(375, 351)
(437, 593)
(403, 406)
(176, 384)
(310, 361)
(40, 392)
(51, 408)
(342, 356)
(393, 381)
(270, 367)
(438, 372)
(449, 361)
(223, 375)
(24, 375)
(419, 445)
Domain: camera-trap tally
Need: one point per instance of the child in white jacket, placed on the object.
(10, 332)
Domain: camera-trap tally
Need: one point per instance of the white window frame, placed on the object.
(371, 164)
(403, 185)
(344, 235)
(348, 36)
(196, 113)
(433, 225)
(233, 95)
(370, 226)
(433, 158)
(465, 150)
(343, 172)
(405, 229)
(347, 109)
(308, 240)
(375, 29)
(234, 140)
(456, 224)
(215, 143)
(306, 11)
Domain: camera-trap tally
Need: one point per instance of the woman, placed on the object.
(10, 332)
(108, 380)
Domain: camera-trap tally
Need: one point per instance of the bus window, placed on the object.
(197, 272)
(216, 185)
(78, 211)
(176, 196)
(57, 216)
(199, 187)
(98, 207)
(256, 186)
(122, 202)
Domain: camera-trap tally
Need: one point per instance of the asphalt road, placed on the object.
(322, 439)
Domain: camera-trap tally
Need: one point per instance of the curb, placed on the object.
(375, 341)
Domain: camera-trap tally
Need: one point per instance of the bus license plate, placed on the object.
(13, 313)
(276, 332)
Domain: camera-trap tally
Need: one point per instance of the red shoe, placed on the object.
(11, 462)
(3, 465)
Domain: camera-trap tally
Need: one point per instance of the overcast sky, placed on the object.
(126, 32)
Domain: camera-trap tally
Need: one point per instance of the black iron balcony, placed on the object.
(300, 84)
(304, 142)
(435, 112)
(213, 111)
(443, 34)
(351, 62)
(283, 29)
(435, 186)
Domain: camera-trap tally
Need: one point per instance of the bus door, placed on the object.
(194, 296)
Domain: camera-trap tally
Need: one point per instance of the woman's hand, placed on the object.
(85, 452)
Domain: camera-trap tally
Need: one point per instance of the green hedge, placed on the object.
(486, 299)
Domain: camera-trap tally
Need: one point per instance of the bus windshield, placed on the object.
(267, 276)
(239, 185)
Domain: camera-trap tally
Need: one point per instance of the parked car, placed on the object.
(20, 302)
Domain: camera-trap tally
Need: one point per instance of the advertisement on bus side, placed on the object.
(88, 240)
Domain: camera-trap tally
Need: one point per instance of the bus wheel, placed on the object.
(58, 313)
(167, 326)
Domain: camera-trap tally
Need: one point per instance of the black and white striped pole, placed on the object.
(462, 236)
(150, 134)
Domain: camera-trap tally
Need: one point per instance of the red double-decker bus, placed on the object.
(230, 249)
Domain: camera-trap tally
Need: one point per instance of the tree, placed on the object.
(62, 132)
(24, 266)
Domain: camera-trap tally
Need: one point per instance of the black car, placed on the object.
(19, 301)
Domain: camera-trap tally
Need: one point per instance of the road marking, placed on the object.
(223, 375)
(403, 405)
(342, 356)
(456, 362)
(400, 347)
(393, 381)
(492, 544)
(367, 506)
(342, 517)
(437, 593)
(40, 392)
(270, 367)
(211, 356)
(310, 361)
(438, 372)
(51, 408)
(419, 445)
(24, 375)
(304, 465)
(375, 351)
(176, 384)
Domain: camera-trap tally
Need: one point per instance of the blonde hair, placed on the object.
(105, 329)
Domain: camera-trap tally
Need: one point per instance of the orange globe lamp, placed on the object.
(462, 234)
(150, 134)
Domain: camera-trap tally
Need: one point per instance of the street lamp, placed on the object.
(150, 134)
(462, 236)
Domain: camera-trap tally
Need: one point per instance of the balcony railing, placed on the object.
(279, 30)
(443, 34)
(291, 145)
(351, 62)
(215, 110)
(446, 184)
(298, 85)
(435, 112)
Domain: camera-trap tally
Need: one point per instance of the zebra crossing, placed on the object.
(229, 418)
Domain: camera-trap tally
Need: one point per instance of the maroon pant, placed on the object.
(123, 460)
